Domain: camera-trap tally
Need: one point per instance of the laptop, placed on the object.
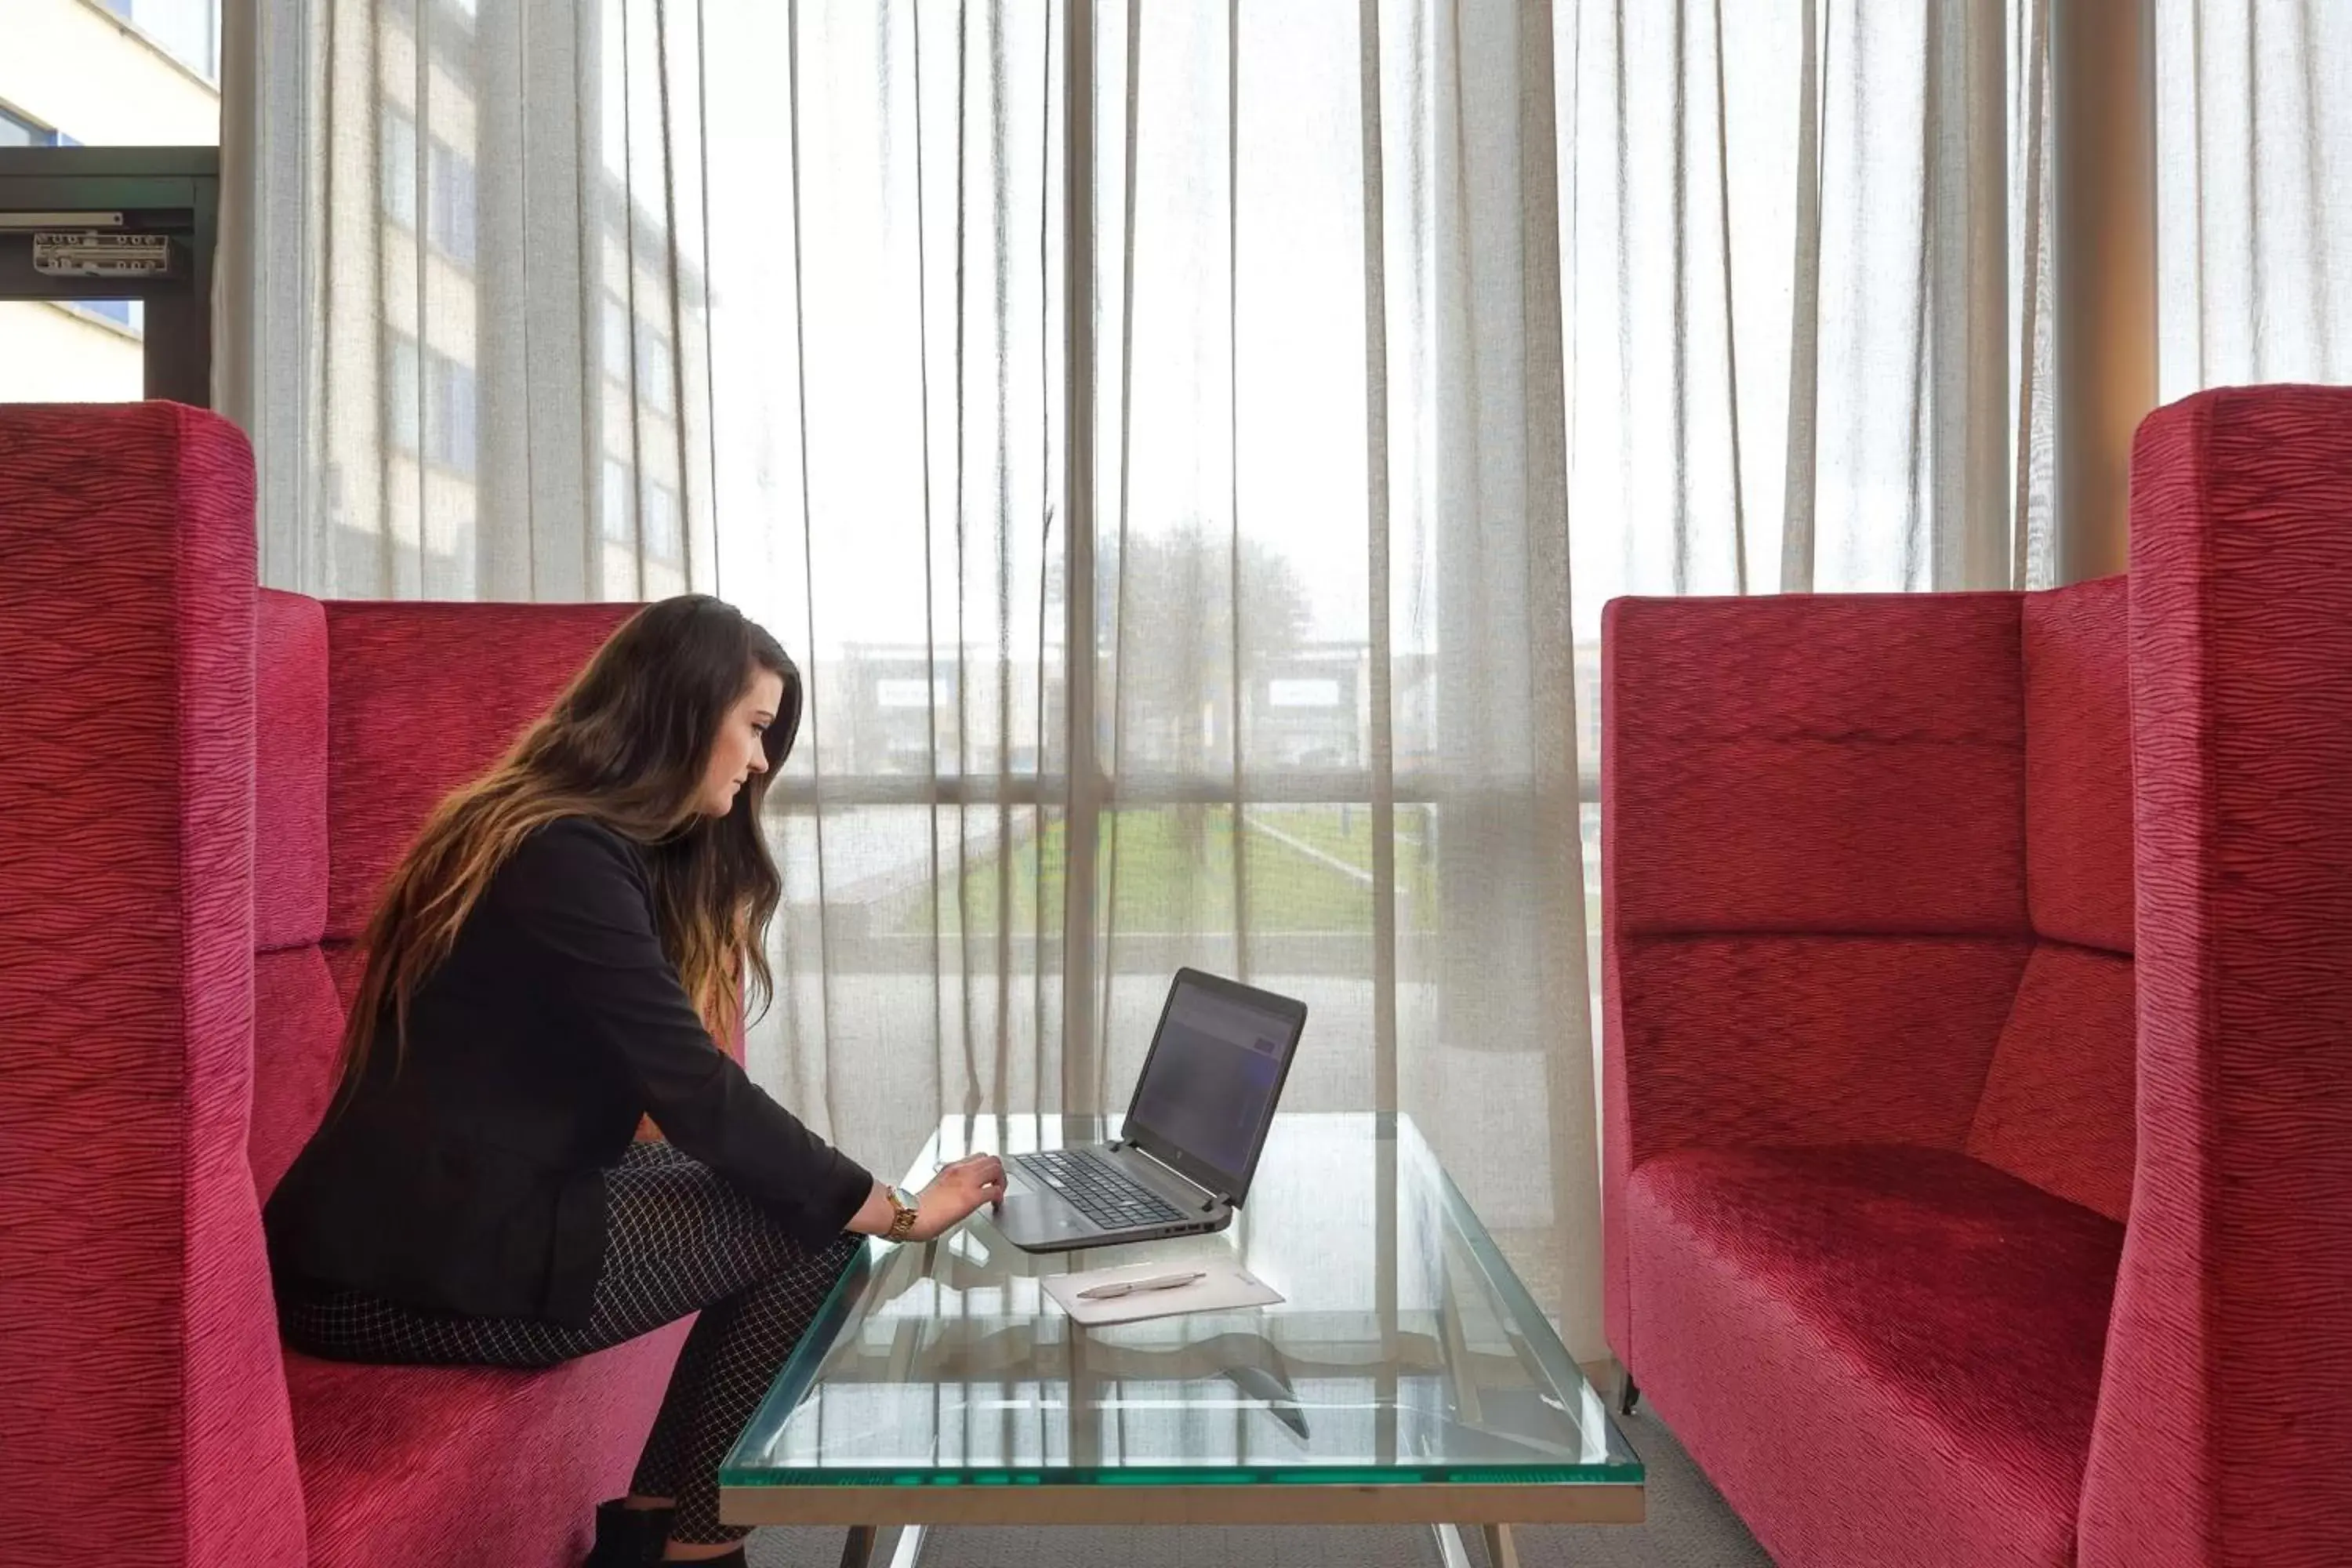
(1184, 1158)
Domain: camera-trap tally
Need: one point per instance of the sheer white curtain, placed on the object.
(468, 295)
(1808, 295)
(2253, 149)
(1322, 639)
(1807, 303)
(1386, 311)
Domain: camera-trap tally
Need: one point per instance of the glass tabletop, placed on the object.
(1405, 1350)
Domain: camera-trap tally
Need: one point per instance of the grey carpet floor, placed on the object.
(1688, 1527)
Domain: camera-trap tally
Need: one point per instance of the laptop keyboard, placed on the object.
(1098, 1189)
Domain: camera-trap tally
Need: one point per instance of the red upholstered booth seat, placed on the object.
(1978, 1036)
(203, 786)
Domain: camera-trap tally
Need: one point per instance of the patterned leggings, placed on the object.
(680, 1238)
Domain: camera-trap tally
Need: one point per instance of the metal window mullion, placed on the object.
(1350, 787)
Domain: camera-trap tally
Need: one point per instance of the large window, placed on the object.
(892, 359)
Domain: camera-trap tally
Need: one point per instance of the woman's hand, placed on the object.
(958, 1189)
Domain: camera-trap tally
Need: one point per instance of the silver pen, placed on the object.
(1130, 1286)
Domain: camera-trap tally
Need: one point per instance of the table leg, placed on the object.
(882, 1546)
(1454, 1552)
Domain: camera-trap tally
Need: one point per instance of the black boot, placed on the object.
(626, 1537)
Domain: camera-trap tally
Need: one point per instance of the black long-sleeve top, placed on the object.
(470, 1178)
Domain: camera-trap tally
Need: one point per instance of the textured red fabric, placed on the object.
(2078, 779)
(1823, 764)
(172, 1028)
(453, 1466)
(2057, 1108)
(2223, 1409)
(290, 849)
(2225, 1418)
(145, 1406)
(297, 1040)
(346, 965)
(425, 697)
(1883, 1357)
(1744, 1040)
(1738, 1041)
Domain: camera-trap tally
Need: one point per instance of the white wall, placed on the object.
(50, 355)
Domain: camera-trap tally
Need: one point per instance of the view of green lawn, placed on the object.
(1305, 868)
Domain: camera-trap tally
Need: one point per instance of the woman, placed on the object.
(549, 965)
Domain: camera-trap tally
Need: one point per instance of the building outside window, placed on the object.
(656, 369)
(620, 498)
(450, 189)
(15, 131)
(187, 30)
(450, 176)
(615, 343)
(402, 394)
(664, 540)
(451, 414)
(130, 315)
(430, 405)
(98, 73)
(396, 171)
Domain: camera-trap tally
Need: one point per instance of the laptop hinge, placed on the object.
(1215, 1197)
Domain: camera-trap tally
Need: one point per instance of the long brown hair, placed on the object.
(627, 745)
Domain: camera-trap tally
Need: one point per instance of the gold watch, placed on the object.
(907, 1208)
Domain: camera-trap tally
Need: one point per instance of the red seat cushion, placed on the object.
(1879, 1354)
(469, 1465)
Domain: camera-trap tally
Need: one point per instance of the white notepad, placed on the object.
(1224, 1285)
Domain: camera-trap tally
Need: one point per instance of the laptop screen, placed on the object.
(1209, 1086)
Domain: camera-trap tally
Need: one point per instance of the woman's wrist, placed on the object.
(891, 1213)
(906, 1214)
(874, 1215)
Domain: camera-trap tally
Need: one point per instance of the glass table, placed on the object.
(1405, 1378)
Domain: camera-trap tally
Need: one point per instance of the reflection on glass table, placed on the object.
(1406, 1376)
